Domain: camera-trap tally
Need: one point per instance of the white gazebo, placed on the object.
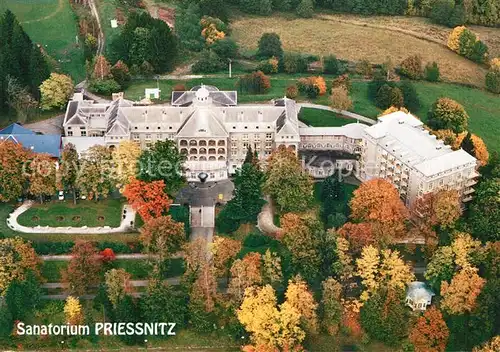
(418, 295)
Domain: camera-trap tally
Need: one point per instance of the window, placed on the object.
(269, 135)
(82, 128)
(212, 175)
(135, 136)
(69, 128)
(245, 136)
(70, 133)
(135, 127)
(147, 127)
(159, 127)
(84, 133)
(148, 136)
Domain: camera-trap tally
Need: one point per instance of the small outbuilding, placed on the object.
(152, 93)
(418, 295)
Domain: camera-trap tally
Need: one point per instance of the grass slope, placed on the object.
(88, 213)
(52, 24)
(353, 42)
(322, 118)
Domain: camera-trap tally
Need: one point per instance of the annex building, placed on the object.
(214, 133)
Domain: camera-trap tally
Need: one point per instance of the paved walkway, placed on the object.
(265, 219)
(129, 256)
(126, 225)
(344, 113)
(53, 125)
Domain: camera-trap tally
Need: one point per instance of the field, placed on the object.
(84, 213)
(354, 42)
(52, 24)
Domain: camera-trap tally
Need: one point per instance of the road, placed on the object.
(100, 38)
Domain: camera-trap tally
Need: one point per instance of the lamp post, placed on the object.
(230, 62)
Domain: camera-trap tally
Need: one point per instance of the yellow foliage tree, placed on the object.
(367, 268)
(73, 311)
(268, 325)
(125, 161)
(454, 38)
(392, 109)
(117, 285)
(460, 295)
(447, 207)
(55, 91)
(301, 298)
(491, 346)
(480, 150)
(463, 246)
(450, 138)
(340, 98)
(16, 258)
(393, 270)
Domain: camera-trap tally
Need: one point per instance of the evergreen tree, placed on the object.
(333, 196)
(467, 144)
(127, 311)
(23, 297)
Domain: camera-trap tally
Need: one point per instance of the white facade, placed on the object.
(214, 133)
(400, 150)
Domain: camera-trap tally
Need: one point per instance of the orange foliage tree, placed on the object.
(12, 160)
(83, 269)
(107, 255)
(377, 201)
(480, 151)
(102, 68)
(162, 236)
(460, 295)
(148, 198)
(224, 250)
(245, 273)
(430, 333)
(358, 235)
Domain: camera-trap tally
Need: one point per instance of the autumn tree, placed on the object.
(331, 307)
(125, 162)
(42, 176)
(69, 168)
(300, 297)
(102, 68)
(339, 99)
(17, 258)
(287, 183)
(163, 162)
(13, 159)
(147, 198)
(446, 113)
(95, 178)
(382, 269)
(475, 146)
(269, 326)
(121, 73)
(224, 250)
(393, 109)
(117, 285)
(271, 268)
(447, 208)
(377, 202)
(460, 295)
(245, 273)
(358, 235)
(301, 233)
(73, 311)
(430, 333)
(162, 236)
(490, 346)
(83, 269)
(56, 91)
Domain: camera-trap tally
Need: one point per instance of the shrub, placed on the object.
(305, 9)
(210, 62)
(389, 96)
(292, 92)
(331, 65)
(121, 73)
(432, 72)
(254, 83)
(466, 41)
(441, 11)
(493, 81)
(364, 68)
(495, 64)
(411, 67)
(225, 48)
(454, 38)
(344, 81)
(446, 113)
(312, 86)
(105, 86)
(294, 63)
(146, 69)
(269, 66)
(479, 52)
(340, 98)
(270, 45)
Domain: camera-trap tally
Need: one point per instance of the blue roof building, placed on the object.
(37, 143)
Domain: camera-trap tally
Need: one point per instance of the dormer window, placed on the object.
(159, 127)
(147, 127)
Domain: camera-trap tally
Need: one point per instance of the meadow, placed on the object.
(323, 35)
(53, 25)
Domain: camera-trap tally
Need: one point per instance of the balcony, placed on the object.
(467, 199)
(469, 191)
(470, 183)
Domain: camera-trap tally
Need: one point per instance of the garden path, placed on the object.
(128, 256)
(265, 220)
(126, 224)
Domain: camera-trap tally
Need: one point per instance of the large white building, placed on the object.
(214, 133)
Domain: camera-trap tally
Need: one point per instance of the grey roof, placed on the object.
(224, 98)
(202, 122)
(419, 291)
(351, 130)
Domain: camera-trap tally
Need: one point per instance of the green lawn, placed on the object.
(51, 23)
(107, 12)
(322, 118)
(84, 213)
